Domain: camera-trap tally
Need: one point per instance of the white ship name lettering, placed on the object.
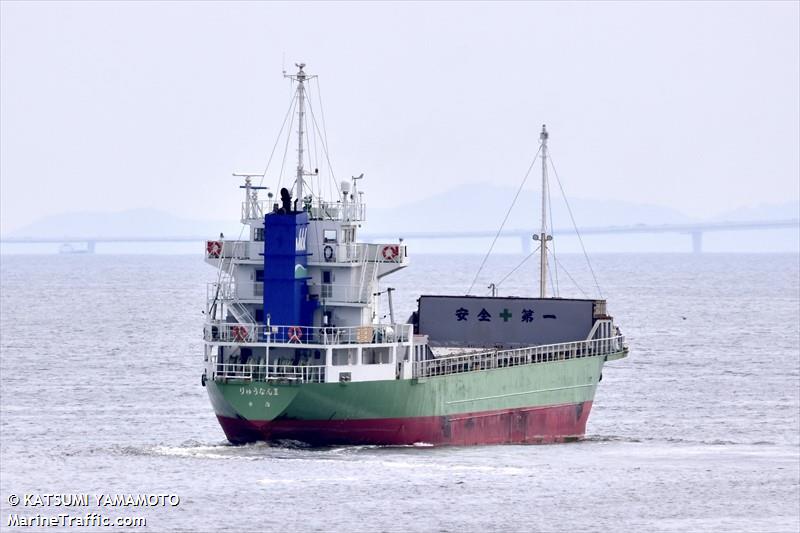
(258, 391)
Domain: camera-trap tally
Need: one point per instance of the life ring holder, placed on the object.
(391, 252)
(214, 248)
(327, 252)
(239, 333)
(295, 334)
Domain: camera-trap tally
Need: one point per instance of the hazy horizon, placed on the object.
(522, 216)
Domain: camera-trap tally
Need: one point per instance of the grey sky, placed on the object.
(110, 106)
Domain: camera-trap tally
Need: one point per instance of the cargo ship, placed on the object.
(296, 349)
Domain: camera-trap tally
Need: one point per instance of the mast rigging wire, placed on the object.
(571, 278)
(324, 147)
(554, 274)
(278, 138)
(322, 111)
(575, 226)
(505, 219)
(552, 285)
(312, 140)
(517, 267)
(324, 127)
(285, 151)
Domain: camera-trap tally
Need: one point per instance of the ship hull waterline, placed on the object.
(533, 404)
(537, 425)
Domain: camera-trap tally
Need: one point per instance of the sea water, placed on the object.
(698, 430)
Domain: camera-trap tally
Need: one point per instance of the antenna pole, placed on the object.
(543, 237)
(301, 93)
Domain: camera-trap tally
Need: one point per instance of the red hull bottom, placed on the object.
(530, 425)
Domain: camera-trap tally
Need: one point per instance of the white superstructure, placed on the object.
(347, 336)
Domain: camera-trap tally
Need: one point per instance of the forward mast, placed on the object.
(543, 236)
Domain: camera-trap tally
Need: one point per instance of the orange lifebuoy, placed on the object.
(239, 333)
(295, 332)
(213, 248)
(391, 252)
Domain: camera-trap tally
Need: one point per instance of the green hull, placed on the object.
(560, 393)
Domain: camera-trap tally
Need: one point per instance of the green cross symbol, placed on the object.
(505, 315)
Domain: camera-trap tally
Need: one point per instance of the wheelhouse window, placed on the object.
(329, 236)
(376, 356)
(345, 356)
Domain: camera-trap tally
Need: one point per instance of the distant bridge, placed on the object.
(695, 231)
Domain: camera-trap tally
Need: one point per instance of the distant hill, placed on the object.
(483, 207)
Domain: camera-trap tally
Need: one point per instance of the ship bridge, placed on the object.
(297, 285)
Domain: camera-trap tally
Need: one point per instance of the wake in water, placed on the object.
(676, 440)
(296, 450)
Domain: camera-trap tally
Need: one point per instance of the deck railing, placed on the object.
(331, 252)
(230, 290)
(254, 291)
(352, 211)
(335, 292)
(254, 210)
(264, 372)
(317, 210)
(359, 252)
(238, 333)
(229, 249)
(487, 360)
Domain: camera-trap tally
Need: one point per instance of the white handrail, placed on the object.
(230, 249)
(240, 333)
(352, 211)
(231, 290)
(254, 210)
(336, 292)
(318, 209)
(265, 372)
(359, 252)
(488, 360)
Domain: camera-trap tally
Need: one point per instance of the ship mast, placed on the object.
(301, 77)
(543, 236)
